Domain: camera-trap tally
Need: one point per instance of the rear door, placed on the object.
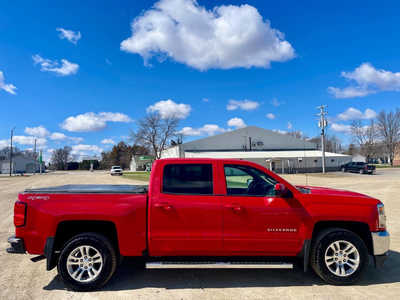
(186, 216)
(256, 221)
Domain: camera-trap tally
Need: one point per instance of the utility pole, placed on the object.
(34, 157)
(322, 123)
(11, 149)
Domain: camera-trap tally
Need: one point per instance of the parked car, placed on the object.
(116, 170)
(358, 167)
(200, 213)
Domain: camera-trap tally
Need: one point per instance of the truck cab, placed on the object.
(201, 213)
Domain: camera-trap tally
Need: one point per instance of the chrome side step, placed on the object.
(217, 265)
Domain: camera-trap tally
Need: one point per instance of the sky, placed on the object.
(81, 73)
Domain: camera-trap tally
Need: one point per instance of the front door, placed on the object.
(186, 216)
(256, 221)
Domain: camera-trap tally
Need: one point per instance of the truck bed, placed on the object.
(90, 189)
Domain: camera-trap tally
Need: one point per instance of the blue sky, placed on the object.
(77, 69)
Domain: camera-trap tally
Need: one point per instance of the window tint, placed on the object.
(188, 179)
(245, 180)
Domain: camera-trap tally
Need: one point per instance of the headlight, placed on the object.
(381, 216)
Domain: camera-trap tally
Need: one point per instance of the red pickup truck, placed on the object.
(200, 213)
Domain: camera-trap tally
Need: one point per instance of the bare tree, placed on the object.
(366, 136)
(60, 158)
(388, 125)
(155, 132)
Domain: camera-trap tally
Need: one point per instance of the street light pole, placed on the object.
(322, 123)
(11, 149)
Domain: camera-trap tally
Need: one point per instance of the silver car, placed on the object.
(116, 170)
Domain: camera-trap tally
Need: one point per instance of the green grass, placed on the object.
(383, 166)
(142, 176)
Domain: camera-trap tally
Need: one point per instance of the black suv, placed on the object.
(358, 167)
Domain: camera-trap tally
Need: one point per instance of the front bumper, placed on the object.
(17, 245)
(381, 244)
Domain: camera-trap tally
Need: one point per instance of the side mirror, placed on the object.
(281, 190)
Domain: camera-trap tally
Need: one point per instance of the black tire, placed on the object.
(320, 246)
(107, 252)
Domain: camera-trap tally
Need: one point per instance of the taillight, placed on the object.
(19, 214)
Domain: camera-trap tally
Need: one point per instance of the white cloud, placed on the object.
(83, 151)
(29, 140)
(349, 92)
(270, 116)
(70, 35)
(87, 148)
(242, 104)
(64, 69)
(108, 141)
(289, 125)
(168, 108)
(228, 36)
(38, 131)
(4, 144)
(276, 103)
(354, 114)
(208, 129)
(368, 80)
(92, 122)
(58, 136)
(237, 123)
(342, 128)
(206, 100)
(8, 87)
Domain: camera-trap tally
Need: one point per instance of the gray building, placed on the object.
(281, 153)
(21, 163)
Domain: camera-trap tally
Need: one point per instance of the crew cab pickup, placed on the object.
(200, 213)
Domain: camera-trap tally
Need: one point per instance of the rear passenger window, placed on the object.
(188, 179)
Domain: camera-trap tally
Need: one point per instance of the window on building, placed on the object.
(188, 179)
(245, 180)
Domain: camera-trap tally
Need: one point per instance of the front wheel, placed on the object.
(339, 256)
(87, 262)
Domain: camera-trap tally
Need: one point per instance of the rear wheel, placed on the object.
(87, 262)
(339, 256)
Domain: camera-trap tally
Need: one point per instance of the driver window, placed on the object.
(245, 180)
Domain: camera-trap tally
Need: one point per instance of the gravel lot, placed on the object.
(22, 279)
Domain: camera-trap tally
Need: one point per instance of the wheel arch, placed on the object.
(68, 229)
(359, 228)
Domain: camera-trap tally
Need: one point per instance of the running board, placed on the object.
(217, 265)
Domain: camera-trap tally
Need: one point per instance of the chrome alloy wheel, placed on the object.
(342, 258)
(84, 263)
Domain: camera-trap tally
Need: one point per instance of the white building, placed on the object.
(279, 152)
(20, 163)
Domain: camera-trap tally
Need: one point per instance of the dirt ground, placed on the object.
(22, 279)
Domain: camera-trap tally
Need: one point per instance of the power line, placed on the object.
(322, 123)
